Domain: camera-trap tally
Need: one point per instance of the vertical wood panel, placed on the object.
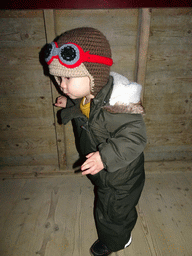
(29, 132)
(143, 41)
(26, 117)
(168, 90)
(49, 19)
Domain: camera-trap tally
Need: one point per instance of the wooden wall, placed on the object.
(26, 119)
(154, 49)
(168, 86)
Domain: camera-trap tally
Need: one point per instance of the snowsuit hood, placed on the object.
(125, 96)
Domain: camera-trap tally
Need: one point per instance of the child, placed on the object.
(111, 132)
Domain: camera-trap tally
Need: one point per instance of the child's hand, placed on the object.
(93, 164)
(61, 102)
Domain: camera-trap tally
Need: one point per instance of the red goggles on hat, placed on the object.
(72, 55)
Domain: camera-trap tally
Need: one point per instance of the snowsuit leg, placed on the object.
(115, 212)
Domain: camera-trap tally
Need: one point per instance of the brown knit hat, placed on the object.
(93, 46)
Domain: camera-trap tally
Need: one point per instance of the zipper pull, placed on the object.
(83, 127)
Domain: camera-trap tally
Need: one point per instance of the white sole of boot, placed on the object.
(129, 242)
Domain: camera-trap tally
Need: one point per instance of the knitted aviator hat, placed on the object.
(81, 52)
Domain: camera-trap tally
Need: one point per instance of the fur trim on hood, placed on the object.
(125, 96)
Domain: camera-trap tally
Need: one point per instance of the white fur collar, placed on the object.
(125, 96)
(124, 92)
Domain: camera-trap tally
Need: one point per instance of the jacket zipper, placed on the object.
(91, 137)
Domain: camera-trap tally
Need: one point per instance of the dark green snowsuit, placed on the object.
(120, 138)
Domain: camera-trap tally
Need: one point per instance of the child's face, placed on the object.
(75, 87)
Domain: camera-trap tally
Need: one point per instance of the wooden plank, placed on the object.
(164, 221)
(45, 212)
(168, 166)
(48, 170)
(24, 93)
(21, 29)
(55, 216)
(143, 41)
(25, 106)
(168, 85)
(49, 18)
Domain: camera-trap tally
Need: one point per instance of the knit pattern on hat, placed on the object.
(92, 40)
(59, 70)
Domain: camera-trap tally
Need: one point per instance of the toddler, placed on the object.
(111, 134)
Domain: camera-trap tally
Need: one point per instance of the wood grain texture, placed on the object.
(26, 117)
(29, 132)
(50, 31)
(54, 216)
(142, 46)
(168, 94)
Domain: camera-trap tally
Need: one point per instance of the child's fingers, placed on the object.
(87, 172)
(87, 164)
(88, 160)
(93, 170)
(89, 169)
(89, 155)
(57, 104)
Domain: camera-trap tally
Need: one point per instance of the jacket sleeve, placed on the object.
(126, 143)
(71, 111)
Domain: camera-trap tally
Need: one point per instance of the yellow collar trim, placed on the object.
(85, 108)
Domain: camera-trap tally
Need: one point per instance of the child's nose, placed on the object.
(63, 84)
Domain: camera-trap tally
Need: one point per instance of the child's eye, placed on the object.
(59, 79)
(67, 78)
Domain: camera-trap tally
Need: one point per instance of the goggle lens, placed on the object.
(48, 51)
(69, 54)
(72, 55)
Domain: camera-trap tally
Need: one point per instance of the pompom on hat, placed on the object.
(81, 52)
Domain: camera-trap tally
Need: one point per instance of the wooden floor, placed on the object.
(53, 217)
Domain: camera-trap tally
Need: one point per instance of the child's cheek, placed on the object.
(76, 86)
